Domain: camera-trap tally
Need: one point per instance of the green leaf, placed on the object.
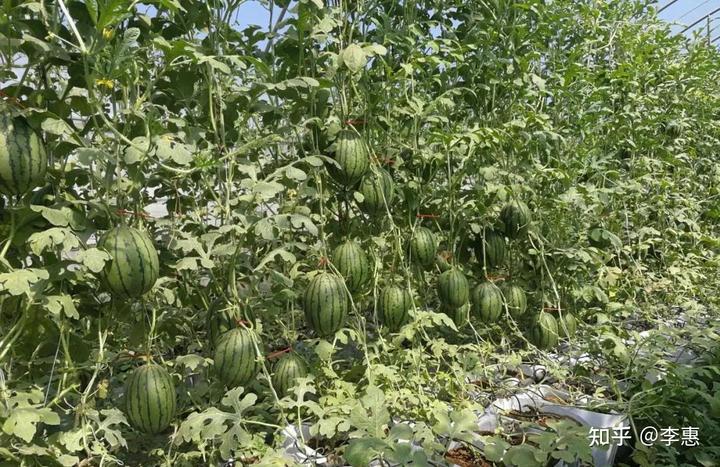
(94, 259)
(296, 174)
(324, 350)
(375, 49)
(23, 422)
(21, 281)
(168, 149)
(268, 190)
(56, 126)
(354, 57)
(524, 455)
(138, 151)
(372, 415)
(113, 12)
(61, 303)
(494, 449)
(53, 238)
(92, 9)
(232, 400)
(361, 451)
(192, 361)
(285, 255)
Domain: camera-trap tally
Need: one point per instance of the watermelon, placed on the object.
(23, 160)
(394, 306)
(490, 249)
(487, 302)
(567, 325)
(134, 267)
(460, 315)
(515, 299)
(236, 360)
(423, 246)
(351, 155)
(285, 371)
(516, 218)
(453, 288)
(352, 263)
(150, 398)
(222, 317)
(326, 303)
(378, 190)
(544, 331)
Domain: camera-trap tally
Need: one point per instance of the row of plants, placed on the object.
(356, 222)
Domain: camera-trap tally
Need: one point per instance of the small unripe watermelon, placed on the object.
(487, 302)
(490, 249)
(352, 156)
(326, 303)
(453, 288)
(150, 398)
(236, 360)
(23, 160)
(290, 367)
(516, 218)
(378, 189)
(423, 247)
(352, 262)
(222, 317)
(134, 267)
(393, 306)
(544, 331)
(515, 299)
(567, 325)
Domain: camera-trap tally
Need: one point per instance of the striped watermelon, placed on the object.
(222, 317)
(516, 217)
(352, 262)
(487, 302)
(135, 266)
(377, 190)
(544, 331)
(23, 160)
(326, 303)
(459, 315)
(236, 361)
(150, 398)
(286, 370)
(567, 325)
(515, 299)
(423, 247)
(453, 288)
(490, 249)
(351, 154)
(394, 306)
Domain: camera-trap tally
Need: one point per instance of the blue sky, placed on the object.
(686, 12)
(253, 13)
(682, 13)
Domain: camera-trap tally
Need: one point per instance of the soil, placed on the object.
(464, 457)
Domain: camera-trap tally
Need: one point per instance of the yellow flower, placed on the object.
(103, 389)
(108, 34)
(107, 83)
